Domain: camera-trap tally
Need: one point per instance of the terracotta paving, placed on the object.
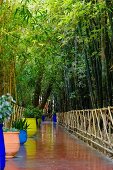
(55, 149)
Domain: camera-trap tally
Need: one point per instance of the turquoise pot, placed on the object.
(23, 136)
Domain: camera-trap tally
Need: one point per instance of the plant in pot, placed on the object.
(22, 126)
(38, 113)
(30, 115)
(6, 109)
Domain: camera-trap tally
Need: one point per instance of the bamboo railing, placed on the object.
(17, 113)
(93, 126)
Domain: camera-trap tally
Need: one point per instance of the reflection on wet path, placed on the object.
(54, 149)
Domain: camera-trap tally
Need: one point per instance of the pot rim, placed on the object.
(11, 132)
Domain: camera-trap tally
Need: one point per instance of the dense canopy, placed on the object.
(60, 50)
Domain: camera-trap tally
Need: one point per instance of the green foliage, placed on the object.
(10, 130)
(20, 124)
(28, 112)
(6, 108)
(31, 112)
(47, 37)
(38, 112)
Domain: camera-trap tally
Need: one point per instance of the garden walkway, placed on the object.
(55, 149)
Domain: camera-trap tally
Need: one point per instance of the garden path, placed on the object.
(54, 149)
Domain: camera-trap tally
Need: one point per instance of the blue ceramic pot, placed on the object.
(43, 118)
(2, 149)
(54, 118)
(23, 136)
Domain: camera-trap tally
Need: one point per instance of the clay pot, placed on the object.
(12, 143)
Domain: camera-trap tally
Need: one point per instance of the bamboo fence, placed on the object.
(92, 126)
(17, 113)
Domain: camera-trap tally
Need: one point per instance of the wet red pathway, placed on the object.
(54, 149)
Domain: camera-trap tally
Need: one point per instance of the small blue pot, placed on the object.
(54, 118)
(2, 149)
(43, 118)
(23, 136)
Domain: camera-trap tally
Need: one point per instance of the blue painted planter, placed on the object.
(2, 149)
(54, 118)
(23, 136)
(43, 118)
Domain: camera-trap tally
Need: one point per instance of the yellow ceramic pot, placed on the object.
(32, 129)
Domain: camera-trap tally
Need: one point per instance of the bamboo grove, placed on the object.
(61, 50)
